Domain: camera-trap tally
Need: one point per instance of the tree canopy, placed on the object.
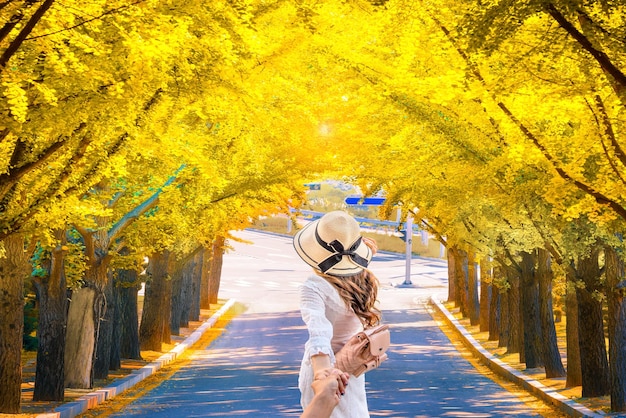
(497, 125)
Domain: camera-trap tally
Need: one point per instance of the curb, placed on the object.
(90, 400)
(535, 387)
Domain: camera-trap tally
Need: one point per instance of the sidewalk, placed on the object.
(96, 397)
(547, 394)
(92, 399)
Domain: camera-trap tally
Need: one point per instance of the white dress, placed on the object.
(330, 324)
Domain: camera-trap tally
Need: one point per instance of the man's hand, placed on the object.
(340, 376)
(326, 387)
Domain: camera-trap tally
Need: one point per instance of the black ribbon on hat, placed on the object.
(336, 247)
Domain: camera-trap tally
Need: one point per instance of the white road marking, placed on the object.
(229, 290)
(272, 284)
(280, 255)
(262, 246)
(244, 283)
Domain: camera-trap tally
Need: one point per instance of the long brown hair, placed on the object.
(358, 292)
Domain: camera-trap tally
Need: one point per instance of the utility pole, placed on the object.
(409, 250)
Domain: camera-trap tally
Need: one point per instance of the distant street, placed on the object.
(266, 276)
(251, 370)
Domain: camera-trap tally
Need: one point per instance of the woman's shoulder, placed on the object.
(325, 290)
(320, 285)
(316, 282)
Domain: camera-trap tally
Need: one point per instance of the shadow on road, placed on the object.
(252, 371)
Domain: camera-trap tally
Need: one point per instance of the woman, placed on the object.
(335, 303)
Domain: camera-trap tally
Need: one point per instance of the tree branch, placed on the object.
(94, 169)
(108, 12)
(142, 208)
(15, 19)
(599, 197)
(53, 188)
(550, 244)
(26, 30)
(435, 232)
(608, 130)
(88, 241)
(4, 133)
(16, 172)
(600, 56)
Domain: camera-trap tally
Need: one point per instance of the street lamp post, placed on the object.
(409, 250)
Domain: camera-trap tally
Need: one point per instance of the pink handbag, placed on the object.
(364, 351)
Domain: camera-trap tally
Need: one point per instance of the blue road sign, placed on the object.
(368, 201)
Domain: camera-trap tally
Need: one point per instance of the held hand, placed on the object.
(338, 375)
(327, 389)
(327, 393)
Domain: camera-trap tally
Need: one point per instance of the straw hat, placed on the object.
(333, 245)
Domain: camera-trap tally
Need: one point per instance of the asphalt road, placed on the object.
(252, 369)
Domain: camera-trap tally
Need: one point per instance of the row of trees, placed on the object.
(145, 128)
(505, 133)
(131, 129)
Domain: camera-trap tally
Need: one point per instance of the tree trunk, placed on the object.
(530, 312)
(181, 295)
(97, 244)
(486, 294)
(472, 290)
(177, 296)
(194, 309)
(451, 254)
(594, 363)
(14, 268)
(115, 357)
(552, 355)
(105, 306)
(52, 295)
(79, 345)
(125, 336)
(81, 370)
(505, 319)
(215, 273)
(166, 310)
(616, 288)
(155, 319)
(494, 314)
(129, 284)
(205, 278)
(515, 341)
(574, 373)
(461, 271)
(187, 295)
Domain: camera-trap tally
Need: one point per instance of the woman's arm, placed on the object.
(319, 349)
(322, 369)
(320, 363)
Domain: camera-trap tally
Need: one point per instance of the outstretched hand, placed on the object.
(371, 243)
(328, 386)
